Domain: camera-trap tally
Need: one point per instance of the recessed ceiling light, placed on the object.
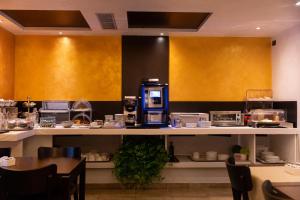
(258, 28)
(162, 34)
(60, 33)
(298, 3)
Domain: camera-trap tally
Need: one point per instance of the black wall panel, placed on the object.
(143, 57)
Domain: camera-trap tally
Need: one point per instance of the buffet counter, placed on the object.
(165, 131)
(59, 130)
(281, 140)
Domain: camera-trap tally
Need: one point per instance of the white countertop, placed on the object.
(59, 130)
(13, 136)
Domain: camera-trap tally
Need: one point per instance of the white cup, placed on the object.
(196, 155)
(211, 155)
(91, 157)
(94, 124)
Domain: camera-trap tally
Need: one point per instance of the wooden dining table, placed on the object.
(291, 190)
(67, 169)
(281, 180)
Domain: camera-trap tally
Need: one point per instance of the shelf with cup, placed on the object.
(97, 150)
(208, 150)
(186, 162)
(188, 145)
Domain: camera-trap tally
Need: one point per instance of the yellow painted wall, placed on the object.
(54, 68)
(218, 69)
(7, 47)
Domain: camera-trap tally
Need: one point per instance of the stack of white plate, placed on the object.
(261, 148)
(272, 159)
(211, 155)
(269, 156)
(265, 154)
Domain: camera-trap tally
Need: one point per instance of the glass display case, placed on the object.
(60, 110)
(259, 95)
(268, 115)
(259, 99)
(267, 118)
(82, 113)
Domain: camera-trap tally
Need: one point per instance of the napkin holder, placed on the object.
(7, 161)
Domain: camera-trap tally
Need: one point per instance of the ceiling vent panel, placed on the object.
(47, 18)
(167, 20)
(107, 21)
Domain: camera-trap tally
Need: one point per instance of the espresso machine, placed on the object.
(130, 110)
(154, 103)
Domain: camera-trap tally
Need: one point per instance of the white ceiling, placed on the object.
(230, 17)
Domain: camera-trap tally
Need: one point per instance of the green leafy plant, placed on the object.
(245, 151)
(139, 161)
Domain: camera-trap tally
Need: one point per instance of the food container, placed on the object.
(67, 124)
(58, 109)
(187, 118)
(191, 125)
(268, 115)
(204, 124)
(47, 122)
(120, 119)
(108, 118)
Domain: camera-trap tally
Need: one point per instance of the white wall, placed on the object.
(286, 67)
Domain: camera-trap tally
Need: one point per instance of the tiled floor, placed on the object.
(211, 192)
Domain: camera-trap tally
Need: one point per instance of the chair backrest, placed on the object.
(4, 152)
(240, 176)
(28, 184)
(271, 193)
(56, 152)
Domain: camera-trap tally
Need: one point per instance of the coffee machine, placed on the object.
(130, 110)
(154, 103)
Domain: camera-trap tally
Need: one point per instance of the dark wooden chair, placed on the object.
(5, 152)
(37, 184)
(271, 193)
(240, 179)
(67, 152)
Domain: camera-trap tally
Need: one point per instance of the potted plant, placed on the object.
(139, 161)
